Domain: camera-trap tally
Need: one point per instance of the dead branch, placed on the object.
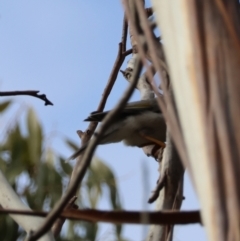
(85, 162)
(86, 136)
(124, 34)
(118, 217)
(33, 93)
(56, 229)
(160, 184)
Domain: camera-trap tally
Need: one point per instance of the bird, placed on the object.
(139, 124)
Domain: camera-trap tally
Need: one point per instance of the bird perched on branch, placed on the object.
(140, 123)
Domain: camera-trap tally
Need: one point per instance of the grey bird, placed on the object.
(140, 123)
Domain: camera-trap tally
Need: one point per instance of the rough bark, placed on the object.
(201, 42)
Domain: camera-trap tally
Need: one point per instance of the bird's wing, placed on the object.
(133, 108)
(96, 116)
(110, 136)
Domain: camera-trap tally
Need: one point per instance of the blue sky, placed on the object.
(66, 50)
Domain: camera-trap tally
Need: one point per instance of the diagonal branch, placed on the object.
(56, 229)
(160, 184)
(86, 136)
(85, 162)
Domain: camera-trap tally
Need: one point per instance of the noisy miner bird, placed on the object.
(140, 123)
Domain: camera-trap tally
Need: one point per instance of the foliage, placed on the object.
(38, 175)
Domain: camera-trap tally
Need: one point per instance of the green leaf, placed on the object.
(16, 146)
(44, 176)
(65, 166)
(49, 157)
(41, 186)
(106, 176)
(6, 224)
(5, 105)
(72, 144)
(35, 137)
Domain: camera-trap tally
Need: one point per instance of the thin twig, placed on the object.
(118, 217)
(127, 52)
(124, 34)
(33, 93)
(160, 184)
(85, 162)
(149, 12)
(130, 51)
(112, 78)
(140, 50)
(56, 229)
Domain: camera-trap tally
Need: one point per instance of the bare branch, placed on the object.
(86, 136)
(149, 11)
(127, 52)
(56, 229)
(124, 34)
(33, 93)
(118, 217)
(160, 184)
(85, 162)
